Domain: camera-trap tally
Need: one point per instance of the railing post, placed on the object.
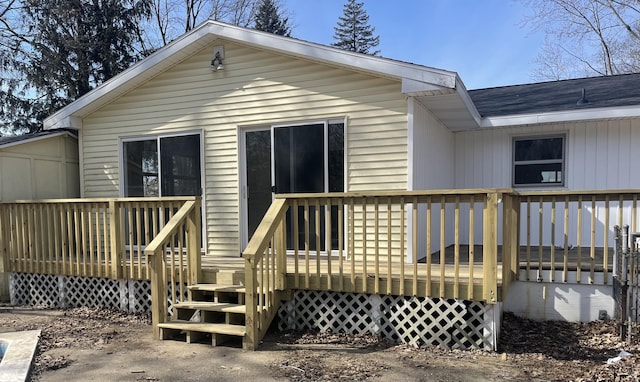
(158, 291)
(510, 240)
(194, 230)
(116, 240)
(281, 256)
(490, 248)
(251, 324)
(4, 253)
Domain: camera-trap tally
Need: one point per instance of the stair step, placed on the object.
(205, 327)
(217, 288)
(213, 306)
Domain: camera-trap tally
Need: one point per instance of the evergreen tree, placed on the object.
(68, 48)
(353, 31)
(269, 19)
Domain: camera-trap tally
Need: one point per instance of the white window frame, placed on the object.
(271, 127)
(157, 137)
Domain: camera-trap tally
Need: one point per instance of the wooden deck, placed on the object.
(377, 235)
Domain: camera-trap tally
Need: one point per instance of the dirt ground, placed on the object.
(103, 345)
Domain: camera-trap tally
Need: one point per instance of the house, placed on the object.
(393, 182)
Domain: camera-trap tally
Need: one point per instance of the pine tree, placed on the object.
(269, 19)
(353, 31)
(69, 48)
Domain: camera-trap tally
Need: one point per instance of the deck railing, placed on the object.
(174, 260)
(83, 237)
(567, 236)
(265, 267)
(361, 242)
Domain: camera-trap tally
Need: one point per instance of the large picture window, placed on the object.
(539, 161)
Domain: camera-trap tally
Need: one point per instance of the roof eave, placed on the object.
(562, 116)
(38, 138)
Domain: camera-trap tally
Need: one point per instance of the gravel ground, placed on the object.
(76, 343)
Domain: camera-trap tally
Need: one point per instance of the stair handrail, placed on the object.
(188, 216)
(256, 254)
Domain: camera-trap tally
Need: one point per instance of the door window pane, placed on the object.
(141, 168)
(180, 165)
(299, 159)
(258, 163)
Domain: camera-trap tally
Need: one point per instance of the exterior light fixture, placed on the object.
(218, 56)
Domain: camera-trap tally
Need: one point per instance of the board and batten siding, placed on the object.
(256, 88)
(45, 168)
(600, 155)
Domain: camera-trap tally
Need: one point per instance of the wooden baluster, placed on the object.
(341, 252)
(528, 267)
(553, 239)
(565, 268)
(352, 235)
(443, 246)
(579, 244)
(605, 259)
(318, 240)
(592, 246)
(414, 234)
(540, 235)
(296, 242)
(428, 228)
(306, 245)
(328, 243)
(402, 245)
(389, 248)
(472, 203)
(456, 249)
(92, 252)
(376, 249)
(364, 246)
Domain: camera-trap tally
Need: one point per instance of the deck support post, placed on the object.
(115, 232)
(194, 230)
(510, 240)
(4, 253)
(158, 291)
(251, 281)
(490, 248)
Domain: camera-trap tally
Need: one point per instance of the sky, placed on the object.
(484, 41)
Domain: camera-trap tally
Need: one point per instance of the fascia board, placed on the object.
(564, 116)
(35, 139)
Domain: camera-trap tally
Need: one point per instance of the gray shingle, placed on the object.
(608, 91)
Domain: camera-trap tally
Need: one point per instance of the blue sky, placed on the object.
(483, 41)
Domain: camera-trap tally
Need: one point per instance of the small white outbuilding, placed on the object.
(42, 165)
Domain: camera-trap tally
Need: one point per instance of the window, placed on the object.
(538, 161)
(162, 166)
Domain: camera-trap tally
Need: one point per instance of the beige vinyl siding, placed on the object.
(256, 88)
(41, 169)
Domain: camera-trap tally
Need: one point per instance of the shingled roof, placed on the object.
(17, 139)
(608, 91)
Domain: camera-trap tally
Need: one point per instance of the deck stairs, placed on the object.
(211, 310)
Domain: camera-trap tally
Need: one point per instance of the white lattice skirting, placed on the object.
(454, 324)
(52, 291)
